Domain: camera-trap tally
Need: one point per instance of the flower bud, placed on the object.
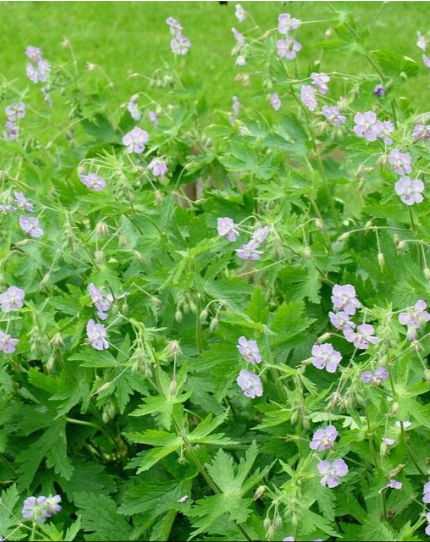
(172, 387)
(258, 494)
(344, 236)
(57, 340)
(395, 408)
(267, 523)
(427, 273)
(98, 256)
(102, 228)
(381, 260)
(324, 337)
(270, 532)
(204, 315)
(401, 246)
(50, 364)
(178, 316)
(319, 224)
(278, 521)
(214, 324)
(307, 252)
(174, 348)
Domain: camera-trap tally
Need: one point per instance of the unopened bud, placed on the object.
(381, 260)
(368, 225)
(105, 386)
(174, 348)
(185, 307)
(270, 532)
(102, 228)
(57, 340)
(401, 246)
(344, 236)
(204, 315)
(178, 316)
(258, 494)
(307, 252)
(44, 280)
(324, 337)
(193, 306)
(267, 523)
(427, 273)
(172, 387)
(214, 324)
(383, 450)
(427, 375)
(158, 197)
(395, 408)
(139, 256)
(98, 256)
(278, 521)
(122, 240)
(319, 224)
(50, 364)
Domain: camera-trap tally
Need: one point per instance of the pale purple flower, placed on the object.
(238, 37)
(307, 95)
(4, 209)
(34, 53)
(52, 505)
(93, 181)
(175, 26)
(400, 161)
(379, 91)
(367, 125)
(414, 318)
(320, 80)
(426, 493)
(344, 299)
(7, 344)
(385, 129)
(180, 44)
(99, 300)
(324, 356)
(97, 335)
(323, 439)
(227, 228)
(153, 118)
(133, 108)
(331, 472)
(32, 72)
(43, 70)
(427, 531)
(375, 377)
(410, 190)
(259, 236)
(249, 350)
(388, 441)
(236, 106)
(393, 484)
(11, 131)
(362, 337)
(12, 299)
(15, 111)
(288, 48)
(421, 41)
(240, 13)
(183, 499)
(333, 115)
(426, 61)
(34, 509)
(341, 320)
(250, 384)
(248, 252)
(158, 167)
(275, 101)
(288, 539)
(286, 23)
(23, 202)
(421, 132)
(31, 226)
(135, 140)
(38, 509)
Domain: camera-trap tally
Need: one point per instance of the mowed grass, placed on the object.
(132, 37)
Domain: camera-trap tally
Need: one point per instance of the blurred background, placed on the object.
(132, 37)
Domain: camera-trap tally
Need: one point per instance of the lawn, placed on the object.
(132, 37)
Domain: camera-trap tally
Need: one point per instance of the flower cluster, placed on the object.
(369, 127)
(239, 49)
(100, 301)
(288, 47)
(179, 44)
(409, 190)
(422, 43)
(249, 251)
(13, 112)
(39, 509)
(38, 69)
(30, 225)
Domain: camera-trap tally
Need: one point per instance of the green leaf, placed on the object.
(395, 65)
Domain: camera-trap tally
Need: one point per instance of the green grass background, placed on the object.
(126, 37)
